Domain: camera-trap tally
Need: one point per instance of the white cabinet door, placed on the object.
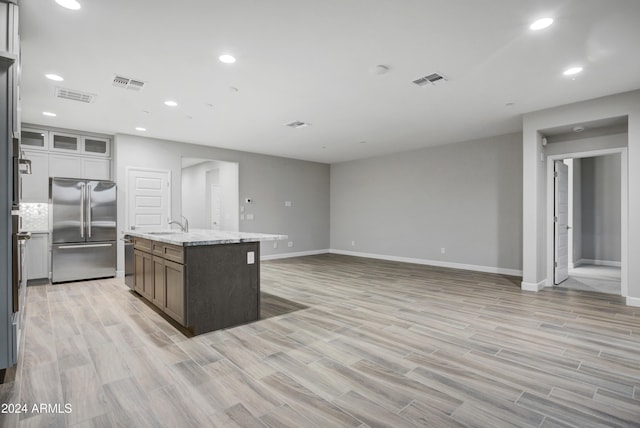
(65, 166)
(36, 139)
(35, 186)
(69, 143)
(96, 146)
(79, 167)
(37, 256)
(96, 169)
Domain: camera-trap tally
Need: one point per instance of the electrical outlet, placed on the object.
(443, 250)
(290, 244)
(288, 203)
(353, 243)
(249, 216)
(275, 244)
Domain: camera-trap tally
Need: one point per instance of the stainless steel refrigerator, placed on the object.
(83, 239)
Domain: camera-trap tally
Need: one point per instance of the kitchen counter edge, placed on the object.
(203, 237)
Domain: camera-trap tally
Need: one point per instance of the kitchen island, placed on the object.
(204, 280)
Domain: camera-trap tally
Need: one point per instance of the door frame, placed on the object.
(129, 169)
(624, 202)
(212, 206)
(556, 229)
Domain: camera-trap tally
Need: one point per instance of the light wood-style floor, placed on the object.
(601, 279)
(379, 344)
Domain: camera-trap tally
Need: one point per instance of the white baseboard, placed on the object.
(532, 286)
(289, 255)
(489, 269)
(633, 301)
(119, 274)
(597, 263)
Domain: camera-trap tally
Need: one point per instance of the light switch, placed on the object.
(249, 216)
(288, 203)
(251, 257)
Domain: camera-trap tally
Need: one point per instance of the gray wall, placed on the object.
(464, 197)
(600, 203)
(268, 180)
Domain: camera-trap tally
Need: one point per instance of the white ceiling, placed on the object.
(310, 61)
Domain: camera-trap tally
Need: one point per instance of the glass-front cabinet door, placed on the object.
(66, 142)
(34, 139)
(96, 146)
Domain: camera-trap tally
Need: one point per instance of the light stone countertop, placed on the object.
(204, 237)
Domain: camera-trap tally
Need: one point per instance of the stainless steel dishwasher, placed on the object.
(129, 277)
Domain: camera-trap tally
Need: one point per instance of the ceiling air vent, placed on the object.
(128, 83)
(297, 124)
(70, 94)
(431, 79)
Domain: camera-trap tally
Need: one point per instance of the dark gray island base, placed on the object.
(199, 283)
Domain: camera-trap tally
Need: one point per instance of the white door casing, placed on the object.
(561, 222)
(216, 207)
(148, 199)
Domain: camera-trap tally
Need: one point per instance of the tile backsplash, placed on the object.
(35, 217)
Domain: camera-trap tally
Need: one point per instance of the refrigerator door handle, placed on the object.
(82, 210)
(89, 210)
(72, 247)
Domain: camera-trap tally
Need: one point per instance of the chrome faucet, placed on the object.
(183, 226)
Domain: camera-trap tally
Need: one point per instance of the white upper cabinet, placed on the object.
(34, 139)
(96, 169)
(9, 39)
(69, 143)
(65, 166)
(61, 154)
(96, 146)
(79, 144)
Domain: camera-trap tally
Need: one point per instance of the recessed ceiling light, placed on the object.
(140, 128)
(69, 4)
(54, 77)
(48, 113)
(541, 24)
(170, 103)
(571, 71)
(227, 59)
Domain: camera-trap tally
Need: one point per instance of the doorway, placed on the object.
(210, 194)
(596, 221)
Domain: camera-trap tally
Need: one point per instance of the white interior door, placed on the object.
(561, 222)
(149, 203)
(216, 207)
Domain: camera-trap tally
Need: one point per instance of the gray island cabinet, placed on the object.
(205, 280)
